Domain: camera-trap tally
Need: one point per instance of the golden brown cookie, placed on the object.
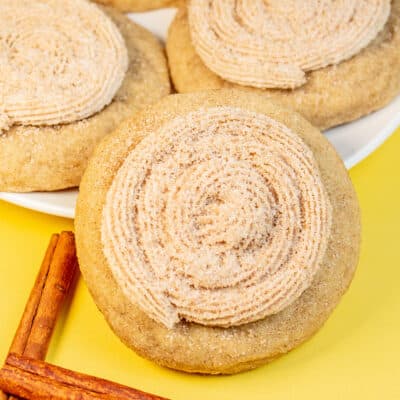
(216, 231)
(48, 149)
(331, 95)
(140, 5)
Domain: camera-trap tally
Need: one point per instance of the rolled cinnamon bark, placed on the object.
(45, 301)
(37, 380)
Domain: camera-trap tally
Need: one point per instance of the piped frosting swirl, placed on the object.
(60, 61)
(220, 218)
(273, 43)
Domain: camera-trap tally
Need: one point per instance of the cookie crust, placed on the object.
(332, 95)
(191, 347)
(54, 157)
(140, 5)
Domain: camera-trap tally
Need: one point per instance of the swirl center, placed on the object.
(219, 218)
(60, 61)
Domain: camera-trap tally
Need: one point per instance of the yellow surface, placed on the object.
(355, 356)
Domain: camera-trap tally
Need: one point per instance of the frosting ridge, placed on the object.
(61, 61)
(219, 218)
(274, 43)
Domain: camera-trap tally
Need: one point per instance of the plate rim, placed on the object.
(23, 200)
(366, 150)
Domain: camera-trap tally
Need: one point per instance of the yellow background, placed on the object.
(355, 356)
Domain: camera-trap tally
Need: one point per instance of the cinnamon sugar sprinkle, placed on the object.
(5, 122)
(273, 43)
(60, 61)
(219, 218)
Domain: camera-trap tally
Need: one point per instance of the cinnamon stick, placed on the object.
(24, 329)
(37, 380)
(33, 387)
(61, 273)
(40, 315)
(25, 374)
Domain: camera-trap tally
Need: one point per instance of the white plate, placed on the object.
(353, 141)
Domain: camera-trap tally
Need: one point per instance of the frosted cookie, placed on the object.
(71, 73)
(141, 5)
(332, 61)
(216, 231)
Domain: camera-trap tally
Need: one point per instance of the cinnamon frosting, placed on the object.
(219, 217)
(273, 43)
(4, 121)
(60, 61)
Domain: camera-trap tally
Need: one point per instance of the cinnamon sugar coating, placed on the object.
(331, 96)
(5, 122)
(191, 346)
(54, 157)
(61, 61)
(140, 5)
(272, 44)
(219, 217)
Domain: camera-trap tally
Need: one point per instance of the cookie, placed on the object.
(216, 231)
(327, 74)
(140, 5)
(75, 87)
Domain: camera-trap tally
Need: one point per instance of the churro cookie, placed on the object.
(141, 5)
(216, 231)
(71, 72)
(332, 61)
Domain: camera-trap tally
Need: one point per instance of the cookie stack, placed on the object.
(216, 228)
